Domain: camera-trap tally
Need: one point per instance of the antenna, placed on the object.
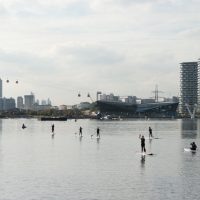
(156, 92)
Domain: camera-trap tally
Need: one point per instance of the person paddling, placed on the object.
(98, 132)
(80, 131)
(150, 132)
(193, 146)
(143, 149)
(23, 126)
(52, 128)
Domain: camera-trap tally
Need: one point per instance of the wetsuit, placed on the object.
(98, 132)
(80, 131)
(193, 146)
(52, 128)
(23, 126)
(150, 132)
(143, 144)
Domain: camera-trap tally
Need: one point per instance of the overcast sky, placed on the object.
(56, 48)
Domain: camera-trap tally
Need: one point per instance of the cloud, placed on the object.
(22, 62)
(43, 9)
(91, 55)
(121, 46)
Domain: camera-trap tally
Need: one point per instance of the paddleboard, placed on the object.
(145, 154)
(151, 154)
(189, 150)
(141, 153)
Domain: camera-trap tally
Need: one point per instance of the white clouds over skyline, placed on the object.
(58, 48)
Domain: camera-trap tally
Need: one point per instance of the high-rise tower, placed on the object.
(29, 101)
(188, 86)
(1, 89)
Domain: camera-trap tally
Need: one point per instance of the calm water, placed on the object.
(33, 166)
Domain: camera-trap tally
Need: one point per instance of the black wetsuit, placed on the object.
(150, 132)
(143, 144)
(193, 146)
(80, 131)
(52, 128)
(98, 132)
(23, 126)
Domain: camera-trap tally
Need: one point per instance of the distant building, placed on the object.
(143, 101)
(198, 101)
(55, 107)
(175, 99)
(110, 97)
(188, 86)
(131, 99)
(37, 102)
(41, 107)
(84, 105)
(20, 102)
(29, 101)
(7, 104)
(43, 102)
(1, 89)
(48, 101)
(65, 107)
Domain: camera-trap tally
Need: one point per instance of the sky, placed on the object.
(58, 48)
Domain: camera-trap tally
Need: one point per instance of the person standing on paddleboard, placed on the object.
(150, 132)
(52, 128)
(80, 131)
(98, 132)
(143, 149)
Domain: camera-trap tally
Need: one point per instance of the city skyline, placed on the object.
(58, 49)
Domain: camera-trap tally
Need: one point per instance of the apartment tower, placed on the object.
(188, 86)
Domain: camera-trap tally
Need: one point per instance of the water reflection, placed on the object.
(189, 128)
(98, 140)
(150, 141)
(80, 138)
(142, 161)
(98, 143)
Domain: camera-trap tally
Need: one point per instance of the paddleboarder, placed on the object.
(193, 146)
(52, 128)
(80, 131)
(23, 126)
(98, 132)
(143, 149)
(150, 132)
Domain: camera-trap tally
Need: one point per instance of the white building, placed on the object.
(29, 101)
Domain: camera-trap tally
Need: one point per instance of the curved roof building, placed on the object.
(158, 109)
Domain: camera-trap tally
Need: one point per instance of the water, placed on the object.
(35, 166)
